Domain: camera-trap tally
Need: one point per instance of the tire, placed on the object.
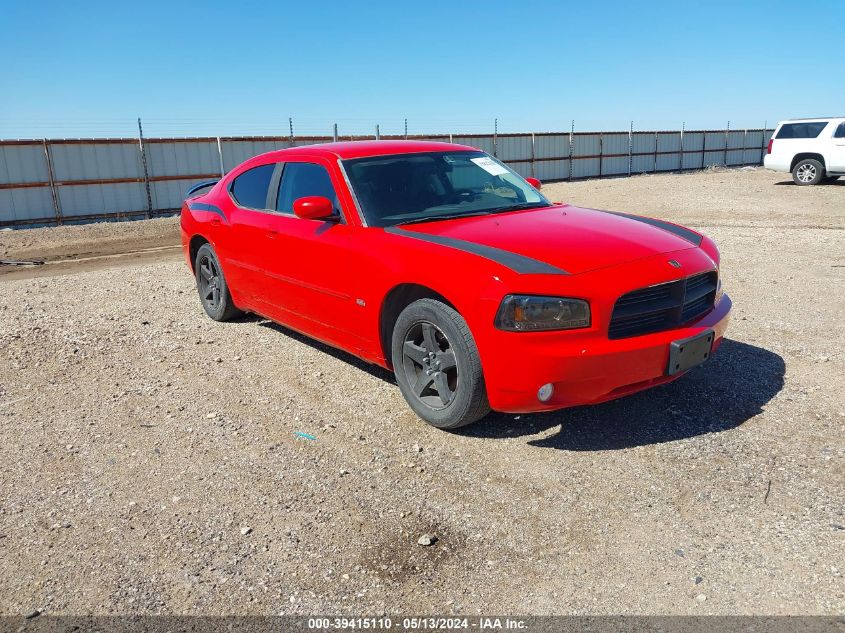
(212, 288)
(437, 365)
(807, 172)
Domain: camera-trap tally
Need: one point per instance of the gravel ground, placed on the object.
(150, 462)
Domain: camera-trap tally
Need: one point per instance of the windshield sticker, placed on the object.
(489, 165)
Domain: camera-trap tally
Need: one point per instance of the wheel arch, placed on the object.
(397, 299)
(804, 156)
(194, 246)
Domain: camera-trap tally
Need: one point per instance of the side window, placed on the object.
(802, 130)
(250, 188)
(840, 131)
(304, 179)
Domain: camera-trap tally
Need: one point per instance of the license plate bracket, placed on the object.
(689, 352)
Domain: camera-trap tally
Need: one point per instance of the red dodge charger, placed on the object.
(439, 262)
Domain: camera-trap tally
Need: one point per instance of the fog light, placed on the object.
(545, 392)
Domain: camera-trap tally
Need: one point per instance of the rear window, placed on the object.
(801, 130)
(250, 188)
(840, 131)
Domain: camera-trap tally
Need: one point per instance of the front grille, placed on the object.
(664, 306)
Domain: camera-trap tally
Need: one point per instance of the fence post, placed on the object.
(495, 136)
(727, 133)
(601, 153)
(50, 175)
(533, 156)
(450, 138)
(656, 143)
(378, 135)
(763, 143)
(406, 129)
(744, 144)
(290, 125)
(681, 149)
(220, 156)
(630, 148)
(146, 171)
(571, 132)
(334, 133)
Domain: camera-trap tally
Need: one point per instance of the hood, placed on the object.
(573, 239)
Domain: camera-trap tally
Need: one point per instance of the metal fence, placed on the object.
(63, 181)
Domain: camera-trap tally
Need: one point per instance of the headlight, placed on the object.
(527, 313)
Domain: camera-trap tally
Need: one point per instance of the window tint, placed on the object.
(250, 188)
(840, 131)
(304, 179)
(801, 130)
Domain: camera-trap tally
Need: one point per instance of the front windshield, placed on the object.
(406, 188)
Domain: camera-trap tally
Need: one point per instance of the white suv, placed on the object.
(812, 149)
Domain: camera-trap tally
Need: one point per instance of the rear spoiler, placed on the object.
(201, 185)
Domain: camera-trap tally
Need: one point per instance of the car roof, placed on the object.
(363, 149)
(816, 118)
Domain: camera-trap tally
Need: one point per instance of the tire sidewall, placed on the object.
(820, 175)
(225, 298)
(453, 414)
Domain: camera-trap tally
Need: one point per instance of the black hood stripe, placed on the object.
(517, 263)
(202, 206)
(687, 234)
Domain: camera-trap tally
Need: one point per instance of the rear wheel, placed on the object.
(807, 172)
(437, 365)
(212, 287)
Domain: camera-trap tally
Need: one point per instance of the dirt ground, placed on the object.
(150, 461)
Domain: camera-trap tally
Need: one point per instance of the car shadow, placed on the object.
(722, 394)
(346, 357)
(824, 183)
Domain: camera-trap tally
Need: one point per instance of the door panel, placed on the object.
(248, 216)
(309, 262)
(837, 153)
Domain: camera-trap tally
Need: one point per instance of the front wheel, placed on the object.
(807, 172)
(437, 365)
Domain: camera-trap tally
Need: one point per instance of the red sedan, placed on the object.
(439, 262)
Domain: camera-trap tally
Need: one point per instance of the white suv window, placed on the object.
(802, 130)
(840, 131)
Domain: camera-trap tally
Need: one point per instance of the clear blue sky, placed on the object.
(91, 68)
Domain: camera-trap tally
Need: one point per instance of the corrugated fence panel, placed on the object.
(552, 146)
(692, 149)
(585, 145)
(615, 144)
(188, 158)
(514, 148)
(109, 198)
(643, 142)
(169, 194)
(26, 204)
(552, 169)
(96, 161)
(23, 163)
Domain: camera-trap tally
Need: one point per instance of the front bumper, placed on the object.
(588, 369)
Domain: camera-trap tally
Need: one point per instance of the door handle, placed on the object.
(215, 223)
(272, 234)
